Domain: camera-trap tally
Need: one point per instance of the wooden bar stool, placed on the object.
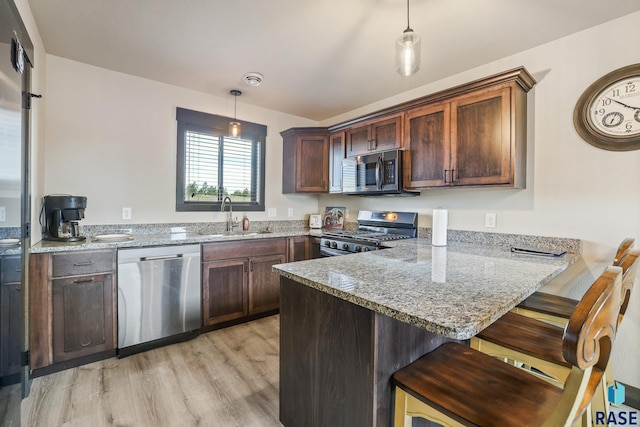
(538, 344)
(554, 308)
(493, 393)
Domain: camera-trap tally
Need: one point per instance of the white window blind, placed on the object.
(216, 162)
(237, 165)
(201, 171)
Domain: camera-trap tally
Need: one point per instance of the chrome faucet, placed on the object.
(230, 222)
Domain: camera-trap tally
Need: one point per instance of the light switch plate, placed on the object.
(290, 212)
(271, 212)
(126, 213)
(3, 214)
(490, 220)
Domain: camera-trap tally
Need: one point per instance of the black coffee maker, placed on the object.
(61, 215)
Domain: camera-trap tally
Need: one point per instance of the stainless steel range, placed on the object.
(374, 228)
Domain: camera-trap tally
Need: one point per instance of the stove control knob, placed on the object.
(345, 246)
(358, 248)
(334, 245)
(327, 243)
(366, 249)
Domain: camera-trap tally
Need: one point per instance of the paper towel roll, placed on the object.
(439, 264)
(439, 227)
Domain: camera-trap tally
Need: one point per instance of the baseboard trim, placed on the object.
(73, 363)
(632, 396)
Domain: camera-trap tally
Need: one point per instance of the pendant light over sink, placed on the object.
(408, 51)
(234, 126)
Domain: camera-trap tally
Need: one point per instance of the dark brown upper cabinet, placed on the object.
(477, 138)
(305, 160)
(378, 135)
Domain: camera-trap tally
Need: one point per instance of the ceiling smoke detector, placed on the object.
(253, 79)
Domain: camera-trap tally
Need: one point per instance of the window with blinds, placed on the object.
(212, 165)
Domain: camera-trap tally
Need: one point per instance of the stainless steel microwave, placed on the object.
(373, 174)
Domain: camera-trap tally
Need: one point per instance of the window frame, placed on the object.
(218, 126)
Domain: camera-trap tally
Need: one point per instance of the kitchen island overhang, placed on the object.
(455, 291)
(347, 323)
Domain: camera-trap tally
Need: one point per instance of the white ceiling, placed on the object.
(319, 58)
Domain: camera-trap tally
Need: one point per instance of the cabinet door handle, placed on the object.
(250, 265)
(245, 267)
(85, 344)
(456, 176)
(444, 175)
(374, 144)
(92, 279)
(82, 264)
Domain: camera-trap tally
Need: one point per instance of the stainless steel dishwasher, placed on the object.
(158, 296)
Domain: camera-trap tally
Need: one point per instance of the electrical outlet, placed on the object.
(290, 212)
(490, 220)
(3, 214)
(126, 213)
(272, 212)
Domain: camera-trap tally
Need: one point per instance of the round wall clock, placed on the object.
(607, 115)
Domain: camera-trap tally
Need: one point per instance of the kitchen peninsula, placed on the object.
(347, 323)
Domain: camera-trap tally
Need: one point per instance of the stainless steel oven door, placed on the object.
(327, 252)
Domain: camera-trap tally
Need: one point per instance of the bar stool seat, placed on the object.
(550, 308)
(526, 340)
(483, 396)
(456, 385)
(556, 309)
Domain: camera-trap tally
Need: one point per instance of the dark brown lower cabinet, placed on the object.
(82, 316)
(314, 247)
(72, 316)
(10, 319)
(298, 248)
(237, 280)
(224, 290)
(264, 284)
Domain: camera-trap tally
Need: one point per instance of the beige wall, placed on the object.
(112, 138)
(573, 189)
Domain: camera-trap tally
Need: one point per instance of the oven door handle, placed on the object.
(332, 252)
(378, 173)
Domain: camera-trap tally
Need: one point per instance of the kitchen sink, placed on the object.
(112, 237)
(235, 233)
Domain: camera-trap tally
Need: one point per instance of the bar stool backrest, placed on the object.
(589, 335)
(629, 263)
(587, 343)
(625, 245)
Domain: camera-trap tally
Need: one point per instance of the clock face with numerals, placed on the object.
(607, 115)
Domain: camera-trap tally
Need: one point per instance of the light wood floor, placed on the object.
(224, 378)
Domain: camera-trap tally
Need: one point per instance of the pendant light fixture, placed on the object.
(408, 51)
(234, 126)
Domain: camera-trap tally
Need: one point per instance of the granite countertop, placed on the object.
(10, 250)
(455, 291)
(164, 239)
